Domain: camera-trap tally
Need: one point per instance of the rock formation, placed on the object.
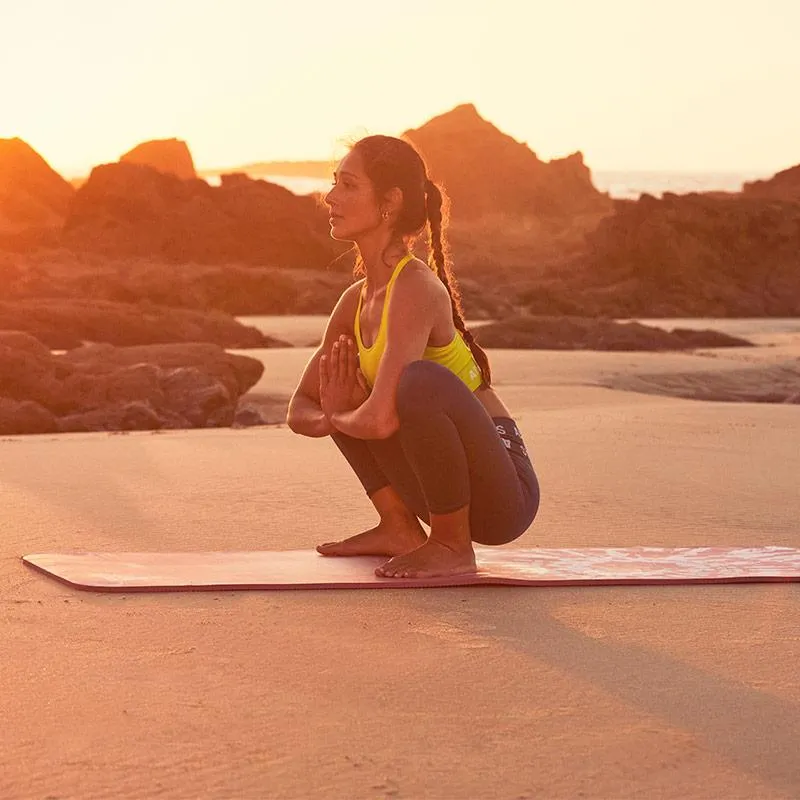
(784, 185)
(757, 383)
(695, 255)
(698, 255)
(33, 197)
(100, 387)
(64, 324)
(232, 289)
(487, 173)
(168, 156)
(578, 333)
(133, 210)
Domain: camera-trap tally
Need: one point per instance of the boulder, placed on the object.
(487, 173)
(697, 255)
(199, 398)
(578, 333)
(757, 383)
(133, 210)
(101, 384)
(233, 289)
(236, 372)
(34, 198)
(24, 342)
(168, 156)
(784, 185)
(101, 387)
(27, 374)
(65, 323)
(133, 416)
(25, 416)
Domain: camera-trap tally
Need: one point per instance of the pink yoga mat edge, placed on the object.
(300, 569)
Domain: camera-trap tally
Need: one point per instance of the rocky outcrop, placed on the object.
(772, 383)
(695, 255)
(488, 174)
(698, 255)
(25, 416)
(578, 333)
(33, 197)
(133, 210)
(784, 185)
(66, 324)
(106, 388)
(232, 289)
(168, 156)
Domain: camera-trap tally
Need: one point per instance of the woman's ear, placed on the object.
(393, 201)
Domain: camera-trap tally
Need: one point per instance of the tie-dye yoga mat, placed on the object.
(505, 566)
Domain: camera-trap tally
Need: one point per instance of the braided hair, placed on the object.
(394, 163)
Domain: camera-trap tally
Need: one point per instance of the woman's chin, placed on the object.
(341, 234)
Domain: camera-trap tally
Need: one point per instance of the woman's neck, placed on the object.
(380, 256)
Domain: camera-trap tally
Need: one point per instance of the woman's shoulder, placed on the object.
(346, 305)
(350, 294)
(418, 280)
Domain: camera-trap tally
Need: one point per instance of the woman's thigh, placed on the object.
(502, 491)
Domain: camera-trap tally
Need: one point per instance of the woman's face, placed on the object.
(354, 209)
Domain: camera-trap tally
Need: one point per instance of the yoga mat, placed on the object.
(306, 569)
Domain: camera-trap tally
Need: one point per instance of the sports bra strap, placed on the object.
(385, 311)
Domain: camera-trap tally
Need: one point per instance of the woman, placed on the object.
(403, 389)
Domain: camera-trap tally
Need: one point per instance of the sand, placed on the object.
(668, 692)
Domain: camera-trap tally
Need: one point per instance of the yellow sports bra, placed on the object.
(456, 356)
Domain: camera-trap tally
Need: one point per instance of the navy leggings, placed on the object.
(449, 452)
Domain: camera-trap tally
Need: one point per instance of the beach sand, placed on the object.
(668, 692)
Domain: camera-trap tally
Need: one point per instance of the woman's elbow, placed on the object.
(292, 417)
(386, 427)
(294, 424)
(291, 422)
(307, 421)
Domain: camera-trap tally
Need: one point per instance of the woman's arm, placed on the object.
(416, 302)
(305, 415)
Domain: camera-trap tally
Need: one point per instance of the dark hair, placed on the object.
(394, 163)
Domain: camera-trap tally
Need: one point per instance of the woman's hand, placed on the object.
(342, 386)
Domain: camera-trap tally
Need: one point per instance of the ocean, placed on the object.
(619, 184)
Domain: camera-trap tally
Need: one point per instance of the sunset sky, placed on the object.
(634, 84)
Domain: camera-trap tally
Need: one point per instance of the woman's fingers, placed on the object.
(323, 372)
(362, 381)
(342, 364)
(351, 361)
(333, 366)
(344, 354)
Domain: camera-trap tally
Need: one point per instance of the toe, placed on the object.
(386, 570)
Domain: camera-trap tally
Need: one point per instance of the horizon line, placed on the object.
(202, 171)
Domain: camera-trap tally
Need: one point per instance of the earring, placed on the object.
(385, 215)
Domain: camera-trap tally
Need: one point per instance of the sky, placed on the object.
(684, 85)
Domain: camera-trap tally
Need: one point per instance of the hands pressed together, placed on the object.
(342, 385)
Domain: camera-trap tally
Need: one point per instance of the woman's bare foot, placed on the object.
(387, 538)
(430, 560)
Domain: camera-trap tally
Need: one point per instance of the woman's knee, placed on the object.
(421, 383)
(496, 528)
